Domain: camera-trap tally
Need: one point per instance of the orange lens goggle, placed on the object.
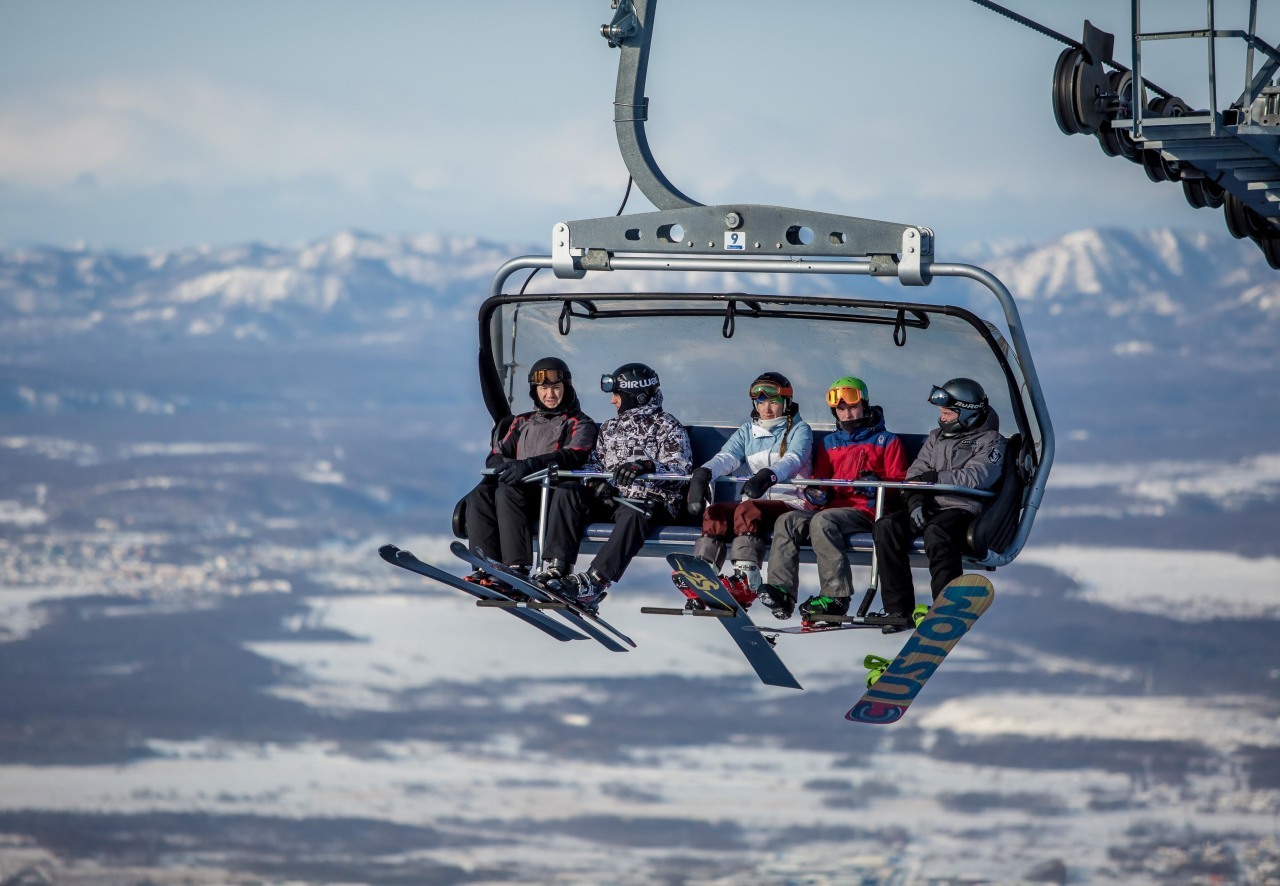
(547, 376)
(850, 396)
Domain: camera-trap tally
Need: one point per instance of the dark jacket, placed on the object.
(974, 459)
(563, 436)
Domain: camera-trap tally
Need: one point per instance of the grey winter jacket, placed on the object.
(974, 458)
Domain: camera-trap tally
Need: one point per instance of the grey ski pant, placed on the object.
(826, 531)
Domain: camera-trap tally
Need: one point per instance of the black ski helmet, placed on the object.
(549, 370)
(635, 383)
(967, 398)
(775, 380)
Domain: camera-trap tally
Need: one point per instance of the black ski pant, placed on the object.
(500, 520)
(574, 506)
(944, 545)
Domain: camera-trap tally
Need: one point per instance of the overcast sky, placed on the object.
(161, 123)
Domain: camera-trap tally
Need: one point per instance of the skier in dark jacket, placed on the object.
(502, 510)
(966, 449)
(643, 439)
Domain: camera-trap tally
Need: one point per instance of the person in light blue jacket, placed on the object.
(776, 446)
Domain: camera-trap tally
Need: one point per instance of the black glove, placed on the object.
(512, 471)
(759, 483)
(699, 485)
(930, 476)
(917, 516)
(817, 495)
(600, 490)
(625, 475)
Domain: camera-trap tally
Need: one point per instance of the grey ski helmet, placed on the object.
(635, 383)
(966, 397)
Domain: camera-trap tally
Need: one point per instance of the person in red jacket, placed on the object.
(858, 449)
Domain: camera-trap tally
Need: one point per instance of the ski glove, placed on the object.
(817, 495)
(930, 476)
(699, 486)
(625, 474)
(917, 517)
(759, 483)
(512, 471)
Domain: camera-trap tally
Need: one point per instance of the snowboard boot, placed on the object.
(779, 600)
(739, 589)
(692, 600)
(815, 608)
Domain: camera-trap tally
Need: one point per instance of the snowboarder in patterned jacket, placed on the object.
(776, 446)
(501, 510)
(860, 448)
(643, 439)
(966, 449)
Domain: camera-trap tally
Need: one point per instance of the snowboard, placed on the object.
(953, 613)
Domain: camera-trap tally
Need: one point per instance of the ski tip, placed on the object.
(388, 551)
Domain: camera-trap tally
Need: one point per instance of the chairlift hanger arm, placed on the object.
(683, 225)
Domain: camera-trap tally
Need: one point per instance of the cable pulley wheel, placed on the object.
(1109, 138)
(1233, 212)
(1270, 247)
(1193, 190)
(1064, 73)
(1089, 87)
(1213, 193)
(1153, 165)
(1124, 91)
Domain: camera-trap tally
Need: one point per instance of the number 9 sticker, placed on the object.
(735, 241)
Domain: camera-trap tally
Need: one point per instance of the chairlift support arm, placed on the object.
(684, 226)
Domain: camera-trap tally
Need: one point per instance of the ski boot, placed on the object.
(813, 609)
(494, 583)
(586, 589)
(778, 600)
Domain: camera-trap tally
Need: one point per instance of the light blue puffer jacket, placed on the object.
(756, 446)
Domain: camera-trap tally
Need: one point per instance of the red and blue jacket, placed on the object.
(851, 455)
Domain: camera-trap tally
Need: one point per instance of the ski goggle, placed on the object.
(850, 396)
(761, 391)
(609, 384)
(939, 397)
(547, 376)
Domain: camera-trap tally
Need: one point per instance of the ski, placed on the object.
(580, 617)
(405, 560)
(700, 576)
(953, 613)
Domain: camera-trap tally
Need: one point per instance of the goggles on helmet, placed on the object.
(548, 376)
(764, 390)
(850, 396)
(943, 398)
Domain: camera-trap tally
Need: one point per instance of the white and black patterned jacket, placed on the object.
(646, 432)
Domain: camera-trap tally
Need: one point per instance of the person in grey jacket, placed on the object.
(966, 449)
(501, 510)
(775, 445)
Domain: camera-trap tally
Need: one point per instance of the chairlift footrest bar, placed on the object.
(517, 604)
(663, 610)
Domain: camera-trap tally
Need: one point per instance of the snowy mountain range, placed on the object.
(1104, 289)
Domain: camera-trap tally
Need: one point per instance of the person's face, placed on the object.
(845, 412)
(616, 399)
(946, 414)
(770, 408)
(550, 395)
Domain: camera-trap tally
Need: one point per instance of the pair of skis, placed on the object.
(540, 599)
